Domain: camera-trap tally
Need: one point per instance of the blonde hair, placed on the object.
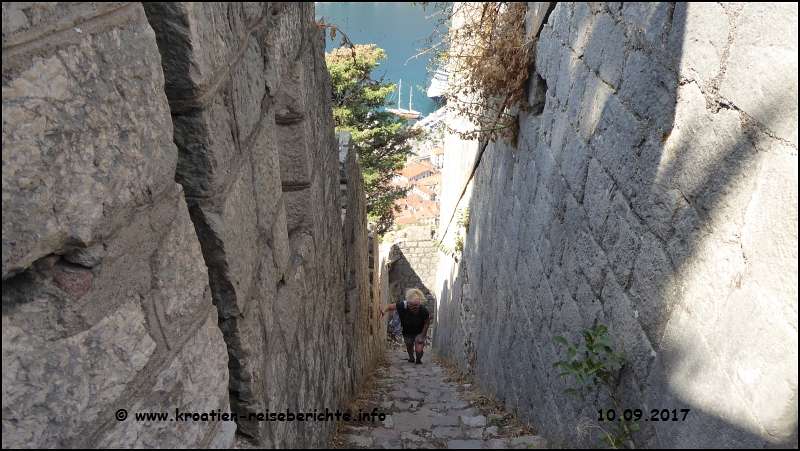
(415, 293)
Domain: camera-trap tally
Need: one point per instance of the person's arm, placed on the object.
(388, 307)
(424, 331)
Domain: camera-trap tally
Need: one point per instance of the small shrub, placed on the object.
(595, 364)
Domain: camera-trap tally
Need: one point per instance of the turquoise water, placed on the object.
(398, 28)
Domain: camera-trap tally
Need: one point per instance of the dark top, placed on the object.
(412, 324)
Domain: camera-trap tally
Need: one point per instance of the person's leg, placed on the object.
(409, 339)
(419, 349)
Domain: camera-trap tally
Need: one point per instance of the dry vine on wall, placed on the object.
(489, 57)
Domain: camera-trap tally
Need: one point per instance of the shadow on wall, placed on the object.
(653, 194)
(403, 276)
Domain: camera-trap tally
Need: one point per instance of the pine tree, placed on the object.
(380, 138)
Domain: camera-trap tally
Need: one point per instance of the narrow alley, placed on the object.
(428, 407)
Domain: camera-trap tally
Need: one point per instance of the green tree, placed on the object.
(380, 138)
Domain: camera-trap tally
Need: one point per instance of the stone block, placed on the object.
(542, 50)
(281, 38)
(299, 211)
(651, 288)
(592, 259)
(651, 90)
(685, 368)
(201, 39)
(474, 421)
(589, 305)
(266, 177)
(179, 276)
(760, 77)
(709, 276)
(25, 22)
(606, 50)
(575, 102)
(227, 230)
(71, 383)
(745, 324)
(575, 220)
(596, 97)
(77, 160)
(575, 164)
(566, 75)
(580, 27)
(207, 152)
(698, 38)
(248, 90)
(629, 337)
(616, 142)
(712, 155)
(290, 101)
(559, 20)
(553, 64)
(769, 234)
(597, 199)
(547, 124)
(621, 240)
(654, 19)
(569, 315)
(294, 155)
(558, 140)
(196, 380)
(654, 199)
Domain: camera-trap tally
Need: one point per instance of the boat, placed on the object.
(402, 112)
(439, 84)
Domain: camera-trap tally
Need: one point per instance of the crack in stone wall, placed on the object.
(650, 195)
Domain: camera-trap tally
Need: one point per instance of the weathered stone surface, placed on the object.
(652, 18)
(758, 76)
(131, 289)
(580, 26)
(53, 389)
(700, 39)
(474, 422)
(72, 149)
(195, 381)
(596, 96)
(650, 88)
(415, 266)
(110, 268)
(645, 208)
(465, 444)
(605, 52)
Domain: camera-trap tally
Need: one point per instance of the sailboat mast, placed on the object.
(410, 105)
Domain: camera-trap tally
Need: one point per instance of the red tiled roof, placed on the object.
(435, 179)
(413, 169)
(424, 190)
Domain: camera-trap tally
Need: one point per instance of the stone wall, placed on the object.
(364, 330)
(234, 289)
(654, 190)
(414, 258)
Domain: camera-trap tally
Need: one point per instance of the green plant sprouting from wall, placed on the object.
(463, 218)
(462, 215)
(595, 364)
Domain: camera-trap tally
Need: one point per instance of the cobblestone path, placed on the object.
(426, 408)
